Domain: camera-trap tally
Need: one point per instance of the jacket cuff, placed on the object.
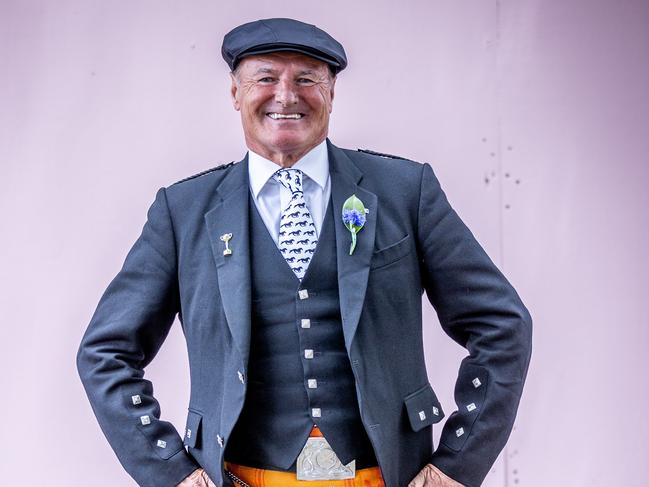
(174, 470)
(460, 466)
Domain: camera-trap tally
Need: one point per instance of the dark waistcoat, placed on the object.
(277, 415)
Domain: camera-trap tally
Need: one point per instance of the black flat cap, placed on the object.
(272, 35)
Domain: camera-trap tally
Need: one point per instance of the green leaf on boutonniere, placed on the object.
(354, 218)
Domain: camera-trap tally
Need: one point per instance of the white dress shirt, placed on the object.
(270, 196)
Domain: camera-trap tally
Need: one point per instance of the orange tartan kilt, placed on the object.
(259, 477)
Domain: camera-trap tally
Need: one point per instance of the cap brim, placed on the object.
(295, 48)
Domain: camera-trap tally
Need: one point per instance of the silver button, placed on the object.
(162, 444)
(219, 440)
(308, 353)
(471, 407)
(240, 377)
(303, 293)
(145, 420)
(459, 432)
(422, 415)
(312, 383)
(136, 399)
(476, 382)
(435, 411)
(306, 323)
(316, 412)
(189, 433)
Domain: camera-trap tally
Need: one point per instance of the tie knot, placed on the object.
(290, 178)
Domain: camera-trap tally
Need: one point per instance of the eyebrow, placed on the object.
(264, 70)
(273, 71)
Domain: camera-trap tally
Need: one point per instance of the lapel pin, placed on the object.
(226, 238)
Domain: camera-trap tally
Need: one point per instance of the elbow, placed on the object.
(525, 340)
(83, 362)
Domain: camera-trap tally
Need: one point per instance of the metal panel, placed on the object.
(575, 112)
(534, 115)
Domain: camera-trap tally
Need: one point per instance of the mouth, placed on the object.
(285, 116)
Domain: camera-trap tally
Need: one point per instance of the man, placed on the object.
(297, 276)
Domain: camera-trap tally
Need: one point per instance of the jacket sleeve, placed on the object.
(128, 327)
(479, 309)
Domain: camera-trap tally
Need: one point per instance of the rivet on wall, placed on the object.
(515, 475)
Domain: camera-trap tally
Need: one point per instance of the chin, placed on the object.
(288, 142)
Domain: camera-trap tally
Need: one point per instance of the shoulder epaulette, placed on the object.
(382, 154)
(207, 171)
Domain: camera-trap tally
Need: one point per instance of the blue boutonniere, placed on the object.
(354, 218)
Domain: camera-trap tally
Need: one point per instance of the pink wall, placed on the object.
(535, 115)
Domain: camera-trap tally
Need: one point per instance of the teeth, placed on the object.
(278, 116)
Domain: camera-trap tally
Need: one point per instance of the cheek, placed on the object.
(253, 112)
(254, 103)
(325, 100)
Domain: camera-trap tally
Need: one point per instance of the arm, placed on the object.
(479, 309)
(126, 331)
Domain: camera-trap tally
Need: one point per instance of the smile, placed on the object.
(285, 116)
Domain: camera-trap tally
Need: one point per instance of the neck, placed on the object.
(283, 158)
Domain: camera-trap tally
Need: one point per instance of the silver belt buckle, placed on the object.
(318, 461)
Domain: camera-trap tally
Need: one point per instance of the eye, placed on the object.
(305, 81)
(266, 79)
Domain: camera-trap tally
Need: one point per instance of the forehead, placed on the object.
(276, 61)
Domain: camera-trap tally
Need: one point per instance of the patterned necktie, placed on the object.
(297, 238)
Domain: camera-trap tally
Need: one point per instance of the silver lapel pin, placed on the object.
(226, 238)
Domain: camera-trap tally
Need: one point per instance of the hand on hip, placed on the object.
(431, 476)
(198, 478)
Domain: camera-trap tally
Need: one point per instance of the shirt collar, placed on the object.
(315, 164)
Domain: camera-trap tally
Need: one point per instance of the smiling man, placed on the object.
(285, 99)
(297, 275)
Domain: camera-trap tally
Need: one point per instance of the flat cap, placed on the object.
(272, 35)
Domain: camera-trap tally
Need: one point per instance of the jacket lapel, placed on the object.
(353, 270)
(230, 215)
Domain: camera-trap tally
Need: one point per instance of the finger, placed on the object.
(419, 480)
(207, 481)
(192, 479)
(444, 479)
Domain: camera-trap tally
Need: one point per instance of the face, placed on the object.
(285, 99)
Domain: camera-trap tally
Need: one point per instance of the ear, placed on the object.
(234, 91)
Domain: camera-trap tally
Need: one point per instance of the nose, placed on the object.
(285, 94)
